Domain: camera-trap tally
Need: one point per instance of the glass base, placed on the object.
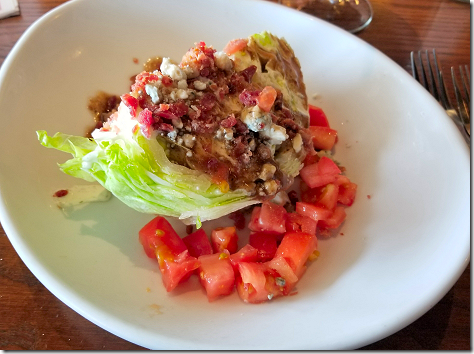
(351, 15)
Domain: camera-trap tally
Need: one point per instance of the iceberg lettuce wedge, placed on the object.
(139, 173)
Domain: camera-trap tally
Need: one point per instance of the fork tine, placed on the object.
(432, 83)
(444, 100)
(413, 66)
(422, 72)
(465, 84)
(461, 104)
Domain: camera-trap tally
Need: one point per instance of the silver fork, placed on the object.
(430, 76)
(463, 97)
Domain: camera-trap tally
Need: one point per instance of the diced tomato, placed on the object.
(266, 98)
(251, 282)
(198, 243)
(295, 248)
(265, 243)
(347, 190)
(325, 196)
(296, 222)
(235, 45)
(216, 275)
(317, 117)
(323, 138)
(253, 223)
(176, 269)
(335, 220)
(247, 253)
(321, 173)
(159, 232)
(161, 241)
(312, 211)
(270, 217)
(285, 272)
(224, 238)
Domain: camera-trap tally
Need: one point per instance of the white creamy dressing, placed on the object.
(81, 194)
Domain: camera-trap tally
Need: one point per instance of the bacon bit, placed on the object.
(229, 122)
(178, 109)
(142, 79)
(248, 73)
(167, 81)
(249, 98)
(61, 193)
(369, 196)
(131, 102)
(207, 102)
(135, 60)
(342, 233)
(239, 219)
(165, 127)
(235, 46)
(145, 117)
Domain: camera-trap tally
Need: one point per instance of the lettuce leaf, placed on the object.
(138, 172)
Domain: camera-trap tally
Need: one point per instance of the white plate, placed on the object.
(401, 251)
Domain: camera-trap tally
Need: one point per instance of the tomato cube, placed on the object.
(317, 117)
(312, 211)
(251, 282)
(157, 233)
(177, 270)
(247, 253)
(161, 241)
(323, 138)
(224, 238)
(198, 243)
(265, 243)
(300, 223)
(235, 46)
(335, 220)
(216, 275)
(323, 172)
(295, 248)
(288, 278)
(347, 190)
(266, 98)
(270, 217)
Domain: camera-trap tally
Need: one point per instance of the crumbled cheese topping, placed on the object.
(256, 119)
(152, 91)
(172, 70)
(222, 61)
(199, 85)
(275, 133)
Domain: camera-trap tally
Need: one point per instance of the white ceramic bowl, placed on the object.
(401, 251)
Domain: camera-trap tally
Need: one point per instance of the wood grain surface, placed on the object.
(31, 318)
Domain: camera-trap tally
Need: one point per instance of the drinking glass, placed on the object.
(351, 15)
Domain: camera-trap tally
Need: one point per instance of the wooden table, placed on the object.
(32, 318)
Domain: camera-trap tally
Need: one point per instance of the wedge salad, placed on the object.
(221, 133)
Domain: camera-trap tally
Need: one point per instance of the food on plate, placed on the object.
(199, 139)
(220, 133)
(283, 237)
